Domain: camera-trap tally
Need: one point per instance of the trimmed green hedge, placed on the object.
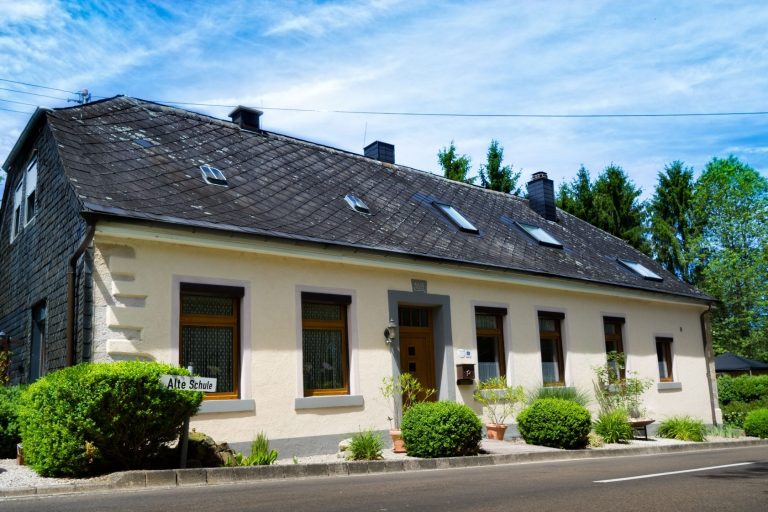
(756, 423)
(441, 429)
(10, 399)
(745, 388)
(98, 417)
(555, 422)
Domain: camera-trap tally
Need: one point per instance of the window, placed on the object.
(37, 347)
(24, 198)
(552, 359)
(664, 357)
(540, 235)
(641, 270)
(457, 218)
(357, 204)
(209, 331)
(490, 342)
(213, 176)
(614, 345)
(324, 343)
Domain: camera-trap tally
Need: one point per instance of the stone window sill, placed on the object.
(669, 386)
(215, 406)
(327, 402)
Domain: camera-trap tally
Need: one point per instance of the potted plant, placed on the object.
(403, 390)
(499, 400)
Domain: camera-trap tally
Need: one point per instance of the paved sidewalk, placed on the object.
(497, 452)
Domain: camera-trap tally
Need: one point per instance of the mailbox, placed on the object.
(465, 374)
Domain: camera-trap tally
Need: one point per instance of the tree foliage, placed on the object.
(496, 177)
(454, 167)
(731, 205)
(672, 223)
(610, 203)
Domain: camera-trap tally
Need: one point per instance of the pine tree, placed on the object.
(496, 177)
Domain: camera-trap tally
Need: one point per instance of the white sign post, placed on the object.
(185, 383)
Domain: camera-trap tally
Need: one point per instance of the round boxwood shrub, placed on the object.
(441, 429)
(10, 398)
(556, 423)
(756, 423)
(98, 417)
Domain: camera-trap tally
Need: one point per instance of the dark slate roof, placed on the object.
(732, 363)
(287, 188)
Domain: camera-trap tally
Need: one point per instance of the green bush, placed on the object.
(682, 428)
(564, 393)
(10, 399)
(99, 417)
(734, 413)
(555, 422)
(261, 454)
(365, 445)
(745, 388)
(441, 429)
(756, 423)
(614, 426)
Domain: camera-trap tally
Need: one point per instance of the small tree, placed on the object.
(499, 399)
(404, 390)
(496, 177)
(614, 392)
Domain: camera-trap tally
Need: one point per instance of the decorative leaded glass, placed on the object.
(323, 358)
(209, 351)
(318, 311)
(207, 305)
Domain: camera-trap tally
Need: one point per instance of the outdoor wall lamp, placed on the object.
(390, 333)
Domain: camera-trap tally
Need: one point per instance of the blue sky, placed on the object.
(514, 57)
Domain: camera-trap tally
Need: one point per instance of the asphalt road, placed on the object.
(721, 480)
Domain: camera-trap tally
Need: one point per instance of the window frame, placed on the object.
(557, 337)
(342, 325)
(664, 349)
(618, 339)
(234, 321)
(498, 333)
(456, 217)
(540, 235)
(21, 194)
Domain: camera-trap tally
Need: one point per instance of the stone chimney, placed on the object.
(246, 118)
(541, 196)
(380, 151)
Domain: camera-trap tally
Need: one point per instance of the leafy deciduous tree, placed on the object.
(454, 167)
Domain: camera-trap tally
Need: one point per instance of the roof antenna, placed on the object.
(82, 97)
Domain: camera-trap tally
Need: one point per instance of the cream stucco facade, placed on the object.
(138, 271)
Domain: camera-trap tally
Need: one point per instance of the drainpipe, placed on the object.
(71, 271)
(706, 336)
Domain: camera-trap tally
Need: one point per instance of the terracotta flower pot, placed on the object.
(398, 445)
(496, 431)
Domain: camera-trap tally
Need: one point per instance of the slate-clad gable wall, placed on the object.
(34, 265)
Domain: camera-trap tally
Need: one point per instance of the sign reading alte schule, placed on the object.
(188, 383)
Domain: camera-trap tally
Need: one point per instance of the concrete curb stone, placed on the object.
(228, 475)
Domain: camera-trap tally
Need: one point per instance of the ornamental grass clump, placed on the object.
(99, 417)
(261, 454)
(756, 423)
(556, 423)
(563, 393)
(683, 428)
(441, 429)
(614, 426)
(365, 445)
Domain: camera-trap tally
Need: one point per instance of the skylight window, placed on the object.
(457, 218)
(213, 176)
(357, 204)
(143, 143)
(641, 270)
(540, 235)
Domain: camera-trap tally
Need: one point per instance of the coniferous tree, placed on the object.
(496, 177)
(617, 209)
(672, 224)
(577, 198)
(454, 167)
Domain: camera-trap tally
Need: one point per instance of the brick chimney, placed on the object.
(380, 151)
(246, 118)
(541, 196)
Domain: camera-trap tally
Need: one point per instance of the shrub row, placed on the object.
(10, 399)
(756, 423)
(745, 388)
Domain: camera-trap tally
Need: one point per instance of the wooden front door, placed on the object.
(417, 347)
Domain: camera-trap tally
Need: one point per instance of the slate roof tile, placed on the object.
(292, 189)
